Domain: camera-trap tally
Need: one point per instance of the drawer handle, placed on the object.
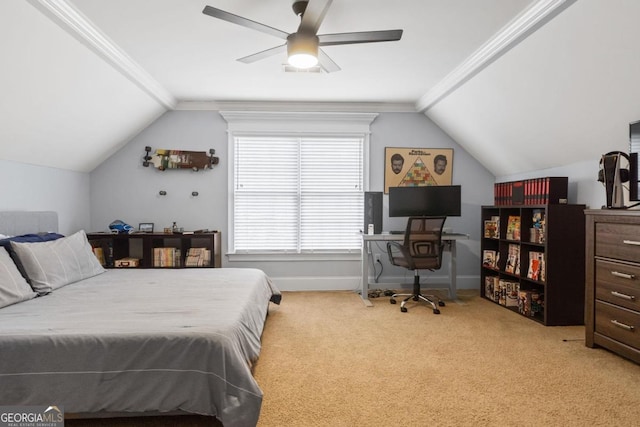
(631, 242)
(624, 296)
(622, 325)
(623, 275)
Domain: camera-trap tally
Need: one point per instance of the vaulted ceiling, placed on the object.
(520, 84)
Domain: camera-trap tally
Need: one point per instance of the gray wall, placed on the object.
(121, 188)
(37, 188)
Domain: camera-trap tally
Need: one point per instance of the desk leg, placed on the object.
(453, 270)
(364, 292)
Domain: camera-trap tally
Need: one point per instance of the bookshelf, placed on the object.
(533, 261)
(158, 250)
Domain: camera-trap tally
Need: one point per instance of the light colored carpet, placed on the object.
(328, 360)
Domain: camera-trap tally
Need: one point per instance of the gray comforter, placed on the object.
(140, 341)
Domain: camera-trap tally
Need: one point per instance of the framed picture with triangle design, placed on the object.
(415, 167)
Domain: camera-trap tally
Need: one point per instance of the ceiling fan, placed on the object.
(303, 46)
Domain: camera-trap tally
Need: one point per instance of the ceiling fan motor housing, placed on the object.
(302, 44)
(299, 6)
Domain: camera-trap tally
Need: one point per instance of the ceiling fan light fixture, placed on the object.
(302, 50)
(303, 60)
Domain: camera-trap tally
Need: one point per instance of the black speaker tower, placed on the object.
(373, 211)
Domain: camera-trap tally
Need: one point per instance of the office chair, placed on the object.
(421, 250)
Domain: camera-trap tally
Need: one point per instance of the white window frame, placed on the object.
(314, 124)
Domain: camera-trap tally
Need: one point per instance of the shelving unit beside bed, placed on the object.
(160, 250)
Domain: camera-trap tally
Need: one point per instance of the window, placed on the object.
(296, 192)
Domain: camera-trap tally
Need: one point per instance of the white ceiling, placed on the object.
(194, 55)
(85, 76)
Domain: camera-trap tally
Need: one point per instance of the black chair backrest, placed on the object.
(423, 241)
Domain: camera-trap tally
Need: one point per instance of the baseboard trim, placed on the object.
(352, 283)
(327, 283)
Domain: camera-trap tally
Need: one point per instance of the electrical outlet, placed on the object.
(376, 258)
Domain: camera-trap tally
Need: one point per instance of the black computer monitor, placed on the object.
(430, 200)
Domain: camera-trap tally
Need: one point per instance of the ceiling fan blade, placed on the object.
(327, 63)
(313, 16)
(263, 54)
(239, 20)
(359, 37)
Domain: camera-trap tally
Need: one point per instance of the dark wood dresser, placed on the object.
(612, 304)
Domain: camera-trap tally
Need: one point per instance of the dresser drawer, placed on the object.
(618, 284)
(618, 323)
(619, 241)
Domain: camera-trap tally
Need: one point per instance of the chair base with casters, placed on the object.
(416, 295)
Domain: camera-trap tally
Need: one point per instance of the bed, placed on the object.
(133, 341)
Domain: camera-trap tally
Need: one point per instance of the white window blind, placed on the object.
(297, 194)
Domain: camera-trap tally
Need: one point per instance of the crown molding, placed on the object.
(300, 116)
(345, 107)
(70, 19)
(298, 121)
(525, 24)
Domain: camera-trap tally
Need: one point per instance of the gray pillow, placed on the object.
(54, 264)
(13, 287)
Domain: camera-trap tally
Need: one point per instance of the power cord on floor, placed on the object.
(376, 293)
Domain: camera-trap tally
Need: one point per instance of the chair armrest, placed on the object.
(395, 248)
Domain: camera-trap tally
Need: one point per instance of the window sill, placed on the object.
(283, 256)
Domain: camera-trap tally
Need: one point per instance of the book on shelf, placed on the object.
(198, 257)
(534, 191)
(530, 302)
(536, 266)
(492, 228)
(513, 227)
(502, 193)
(536, 234)
(491, 285)
(489, 258)
(99, 253)
(517, 192)
(512, 293)
(166, 257)
(513, 259)
(508, 293)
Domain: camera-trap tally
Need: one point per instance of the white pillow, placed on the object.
(54, 264)
(13, 287)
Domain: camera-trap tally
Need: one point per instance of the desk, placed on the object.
(449, 240)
